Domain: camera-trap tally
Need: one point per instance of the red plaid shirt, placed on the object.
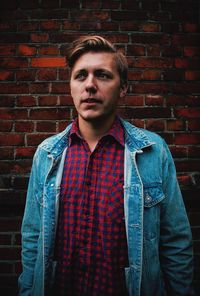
(91, 246)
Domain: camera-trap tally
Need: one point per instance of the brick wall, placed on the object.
(161, 40)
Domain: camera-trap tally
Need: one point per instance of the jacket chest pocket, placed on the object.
(153, 197)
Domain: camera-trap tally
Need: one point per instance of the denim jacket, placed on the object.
(158, 233)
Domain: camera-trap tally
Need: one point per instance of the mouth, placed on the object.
(91, 101)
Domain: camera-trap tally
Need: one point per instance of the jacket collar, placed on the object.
(135, 139)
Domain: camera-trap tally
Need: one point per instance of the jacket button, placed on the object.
(148, 198)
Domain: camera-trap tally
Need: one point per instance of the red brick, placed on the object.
(36, 139)
(47, 75)
(39, 88)
(60, 88)
(6, 75)
(55, 62)
(154, 100)
(151, 62)
(191, 51)
(151, 27)
(155, 125)
(6, 126)
(138, 122)
(187, 165)
(50, 114)
(187, 63)
(190, 27)
(136, 50)
(135, 75)
(14, 37)
(128, 15)
(5, 239)
(192, 75)
(47, 101)
(182, 100)
(49, 4)
(7, 49)
(26, 101)
(179, 151)
(10, 253)
(176, 125)
(173, 75)
(172, 51)
(129, 25)
(186, 138)
(187, 113)
(144, 112)
(153, 88)
(49, 50)
(70, 4)
(50, 25)
(151, 75)
(12, 88)
(150, 38)
(91, 4)
(92, 15)
(153, 50)
(185, 40)
(8, 27)
(63, 74)
(21, 126)
(66, 101)
(132, 100)
(28, 4)
(71, 25)
(11, 139)
(6, 113)
(185, 180)
(46, 126)
(13, 62)
(194, 125)
(39, 37)
(98, 26)
(62, 125)
(24, 152)
(25, 75)
(26, 50)
(28, 26)
(194, 152)
(130, 5)
(170, 27)
(7, 154)
(186, 88)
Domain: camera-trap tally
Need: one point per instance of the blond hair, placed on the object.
(97, 43)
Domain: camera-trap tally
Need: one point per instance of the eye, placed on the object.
(80, 76)
(103, 75)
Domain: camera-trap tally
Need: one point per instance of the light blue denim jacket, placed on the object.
(157, 228)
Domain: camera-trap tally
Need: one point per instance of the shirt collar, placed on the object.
(116, 131)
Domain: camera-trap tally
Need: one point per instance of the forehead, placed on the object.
(96, 60)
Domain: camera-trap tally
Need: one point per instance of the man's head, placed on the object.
(97, 44)
(98, 78)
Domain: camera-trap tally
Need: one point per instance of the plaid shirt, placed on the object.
(91, 246)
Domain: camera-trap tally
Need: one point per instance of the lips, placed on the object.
(91, 101)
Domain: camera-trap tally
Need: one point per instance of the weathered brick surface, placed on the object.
(161, 40)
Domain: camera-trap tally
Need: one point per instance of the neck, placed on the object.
(93, 131)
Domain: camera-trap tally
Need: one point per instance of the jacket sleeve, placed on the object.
(176, 253)
(31, 228)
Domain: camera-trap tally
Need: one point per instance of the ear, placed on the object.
(123, 89)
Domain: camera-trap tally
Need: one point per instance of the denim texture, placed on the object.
(157, 228)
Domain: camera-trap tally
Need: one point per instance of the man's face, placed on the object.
(95, 86)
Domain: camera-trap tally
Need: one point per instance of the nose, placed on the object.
(90, 84)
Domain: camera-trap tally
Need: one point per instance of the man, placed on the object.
(104, 214)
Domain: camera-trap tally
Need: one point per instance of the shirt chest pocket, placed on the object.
(153, 198)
